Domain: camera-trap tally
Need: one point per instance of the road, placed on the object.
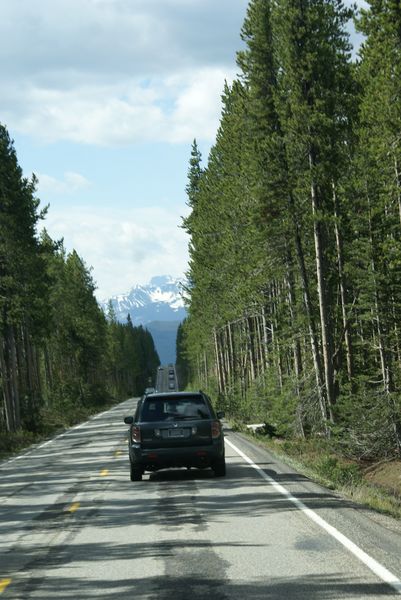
(73, 526)
(166, 380)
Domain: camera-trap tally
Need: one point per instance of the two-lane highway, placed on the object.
(167, 380)
(73, 525)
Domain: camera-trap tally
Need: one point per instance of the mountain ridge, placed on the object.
(159, 306)
(159, 300)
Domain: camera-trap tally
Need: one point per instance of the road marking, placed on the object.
(104, 472)
(367, 560)
(4, 583)
(117, 453)
(74, 506)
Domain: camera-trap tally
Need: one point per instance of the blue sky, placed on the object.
(103, 99)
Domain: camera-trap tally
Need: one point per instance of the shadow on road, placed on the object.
(198, 586)
(183, 504)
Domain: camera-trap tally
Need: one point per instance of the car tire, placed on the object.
(136, 473)
(219, 468)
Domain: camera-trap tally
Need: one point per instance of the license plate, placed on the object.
(176, 433)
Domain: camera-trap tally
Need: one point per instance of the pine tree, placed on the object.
(23, 286)
(377, 256)
(313, 54)
(182, 362)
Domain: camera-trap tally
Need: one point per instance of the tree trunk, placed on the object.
(231, 347)
(13, 375)
(250, 339)
(309, 311)
(7, 389)
(327, 342)
(292, 311)
(343, 294)
(243, 359)
(218, 365)
(49, 373)
(205, 367)
(259, 339)
(398, 180)
(385, 367)
(265, 338)
(222, 362)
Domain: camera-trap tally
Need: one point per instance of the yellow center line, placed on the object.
(74, 506)
(4, 583)
(104, 472)
(117, 453)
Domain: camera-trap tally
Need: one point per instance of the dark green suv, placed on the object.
(176, 429)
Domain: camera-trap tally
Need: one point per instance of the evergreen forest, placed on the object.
(294, 280)
(61, 357)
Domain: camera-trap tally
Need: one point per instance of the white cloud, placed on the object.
(124, 248)
(175, 109)
(198, 105)
(115, 72)
(72, 182)
(121, 37)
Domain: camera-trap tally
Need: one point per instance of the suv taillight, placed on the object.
(216, 429)
(136, 434)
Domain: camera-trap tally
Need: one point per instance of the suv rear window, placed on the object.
(164, 409)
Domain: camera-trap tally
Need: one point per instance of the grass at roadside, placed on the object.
(377, 486)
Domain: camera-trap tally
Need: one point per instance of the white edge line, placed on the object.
(370, 562)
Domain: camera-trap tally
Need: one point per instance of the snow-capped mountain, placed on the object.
(160, 300)
(159, 306)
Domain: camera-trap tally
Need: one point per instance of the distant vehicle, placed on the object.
(171, 385)
(160, 368)
(171, 375)
(150, 390)
(179, 429)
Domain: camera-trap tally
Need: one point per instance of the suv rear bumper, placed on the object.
(153, 459)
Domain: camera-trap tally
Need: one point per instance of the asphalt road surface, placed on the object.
(166, 380)
(73, 526)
